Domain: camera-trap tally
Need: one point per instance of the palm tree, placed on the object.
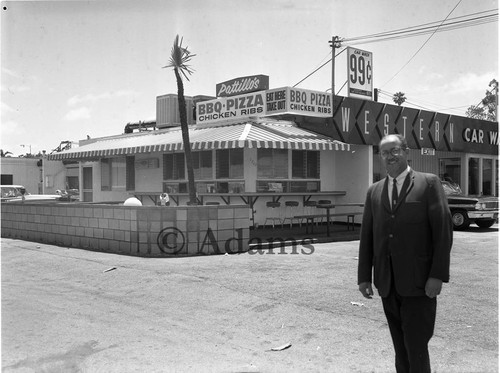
(399, 98)
(179, 58)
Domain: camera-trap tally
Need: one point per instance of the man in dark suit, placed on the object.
(406, 238)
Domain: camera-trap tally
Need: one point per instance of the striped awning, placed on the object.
(263, 134)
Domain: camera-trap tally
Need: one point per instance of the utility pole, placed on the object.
(494, 83)
(26, 146)
(334, 43)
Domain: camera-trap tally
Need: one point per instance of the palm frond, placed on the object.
(180, 57)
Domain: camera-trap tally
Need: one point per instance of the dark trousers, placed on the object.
(411, 323)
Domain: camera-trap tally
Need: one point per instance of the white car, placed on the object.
(16, 193)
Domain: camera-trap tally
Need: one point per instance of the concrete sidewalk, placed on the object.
(70, 310)
(338, 232)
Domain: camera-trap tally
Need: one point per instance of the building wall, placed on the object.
(143, 231)
(353, 174)
(25, 172)
(115, 195)
(54, 176)
(327, 171)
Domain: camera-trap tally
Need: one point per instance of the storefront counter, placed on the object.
(249, 198)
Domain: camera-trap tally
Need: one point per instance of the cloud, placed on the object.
(102, 96)
(12, 89)
(463, 85)
(471, 82)
(5, 109)
(11, 73)
(77, 114)
(10, 128)
(13, 82)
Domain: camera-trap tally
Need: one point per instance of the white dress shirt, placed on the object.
(400, 179)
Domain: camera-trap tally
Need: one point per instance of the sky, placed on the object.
(72, 69)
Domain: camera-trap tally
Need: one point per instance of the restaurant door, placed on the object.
(87, 184)
(450, 169)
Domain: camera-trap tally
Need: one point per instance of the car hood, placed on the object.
(34, 197)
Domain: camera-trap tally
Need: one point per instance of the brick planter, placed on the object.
(150, 231)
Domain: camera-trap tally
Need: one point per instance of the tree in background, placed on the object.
(399, 98)
(5, 154)
(179, 60)
(487, 108)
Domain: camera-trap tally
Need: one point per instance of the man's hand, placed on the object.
(366, 289)
(433, 287)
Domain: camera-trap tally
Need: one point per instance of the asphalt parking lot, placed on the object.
(71, 310)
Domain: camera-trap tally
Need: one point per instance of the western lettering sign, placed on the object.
(365, 122)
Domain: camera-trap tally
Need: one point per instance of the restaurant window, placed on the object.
(173, 166)
(72, 182)
(229, 164)
(7, 179)
(487, 177)
(105, 174)
(130, 173)
(305, 164)
(474, 176)
(118, 173)
(450, 170)
(113, 173)
(172, 188)
(496, 177)
(272, 163)
(202, 165)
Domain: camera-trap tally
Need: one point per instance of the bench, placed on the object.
(310, 219)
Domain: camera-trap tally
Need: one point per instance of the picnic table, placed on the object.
(328, 207)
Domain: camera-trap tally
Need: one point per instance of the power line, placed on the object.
(296, 84)
(412, 30)
(388, 94)
(418, 30)
(409, 35)
(423, 45)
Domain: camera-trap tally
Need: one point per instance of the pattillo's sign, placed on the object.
(246, 84)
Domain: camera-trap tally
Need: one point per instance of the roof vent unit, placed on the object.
(167, 109)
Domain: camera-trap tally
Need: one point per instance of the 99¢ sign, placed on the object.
(360, 69)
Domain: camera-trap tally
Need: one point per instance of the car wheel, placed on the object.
(485, 223)
(460, 220)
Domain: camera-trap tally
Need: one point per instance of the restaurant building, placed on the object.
(283, 144)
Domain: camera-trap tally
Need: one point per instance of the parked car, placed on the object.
(69, 195)
(483, 211)
(17, 193)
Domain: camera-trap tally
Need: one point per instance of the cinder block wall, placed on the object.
(151, 231)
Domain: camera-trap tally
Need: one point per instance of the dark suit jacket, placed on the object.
(416, 237)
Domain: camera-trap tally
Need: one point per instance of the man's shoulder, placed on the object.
(376, 185)
(426, 179)
(425, 176)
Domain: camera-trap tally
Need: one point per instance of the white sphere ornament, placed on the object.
(132, 201)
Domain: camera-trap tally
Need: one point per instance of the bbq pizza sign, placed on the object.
(360, 74)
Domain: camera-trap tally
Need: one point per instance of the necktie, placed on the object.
(394, 193)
